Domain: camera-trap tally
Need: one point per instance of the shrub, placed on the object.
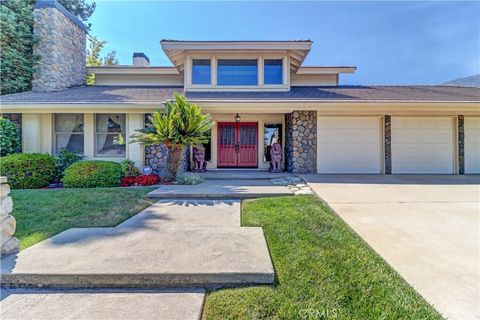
(9, 142)
(93, 174)
(129, 169)
(64, 160)
(28, 170)
(189, 178)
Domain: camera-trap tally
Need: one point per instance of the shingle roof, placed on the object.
(144, 94)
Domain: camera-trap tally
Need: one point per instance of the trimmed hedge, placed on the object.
(28, 170)
(93, 174)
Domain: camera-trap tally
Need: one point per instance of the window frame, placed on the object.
(210, 73)
(260, 57)
(95, 138)
(281, 74)
(55, 133)
(256, 64)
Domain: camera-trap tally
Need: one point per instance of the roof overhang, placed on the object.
(132, 70)
(325, 70)
(176, 50)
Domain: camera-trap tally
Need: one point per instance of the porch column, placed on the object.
(387, 132)
(301, 141)
(461, 143)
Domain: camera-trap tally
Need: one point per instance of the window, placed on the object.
(201, 71)
(272, 134)
(238, 72)
(110, 135)
(69, 132)
(272, 70)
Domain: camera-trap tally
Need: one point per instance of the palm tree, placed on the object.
(180, 125)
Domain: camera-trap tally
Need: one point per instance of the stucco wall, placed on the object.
(38, 136)
(61, 47)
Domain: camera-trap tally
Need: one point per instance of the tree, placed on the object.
(17, 40)
(16, 46)
(95, 46)
(80, 9)
(9, 141)
(180, 125)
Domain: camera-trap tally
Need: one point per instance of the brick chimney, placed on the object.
(61, 47)
(140, 60)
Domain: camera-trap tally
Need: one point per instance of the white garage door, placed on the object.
(422, 145)
(472, 145)
(349, 145)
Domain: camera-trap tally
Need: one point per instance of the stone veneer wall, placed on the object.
(387, 131)
(9, 243)
(17, 119)
(61, 47)
(461, 144)
(301, 141)
(156, 157)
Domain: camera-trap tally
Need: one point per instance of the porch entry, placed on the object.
(237, 144)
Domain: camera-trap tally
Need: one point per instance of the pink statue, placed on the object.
(199, 158)
(276, 157)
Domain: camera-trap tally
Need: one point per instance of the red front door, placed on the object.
(237, 144)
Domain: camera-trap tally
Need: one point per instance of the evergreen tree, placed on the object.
(16, 46)
(81, 9)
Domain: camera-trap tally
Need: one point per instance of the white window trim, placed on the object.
(55, 133)
(95, 133)
(260, 86)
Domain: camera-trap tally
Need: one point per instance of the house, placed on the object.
(258, 93)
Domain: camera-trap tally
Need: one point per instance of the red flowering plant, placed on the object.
(148, 180)
(128, 181)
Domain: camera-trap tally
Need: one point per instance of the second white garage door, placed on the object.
(472, 145)
(349, 145)
(422, 145)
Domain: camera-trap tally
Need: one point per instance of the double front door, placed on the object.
(237, 144)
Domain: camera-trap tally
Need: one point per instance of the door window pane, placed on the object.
(272, 134)
(68, 129)
(273, 71)
(201, 71)
(110, 139)
(237, 72)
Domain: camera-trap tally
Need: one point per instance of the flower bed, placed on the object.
(141, 180)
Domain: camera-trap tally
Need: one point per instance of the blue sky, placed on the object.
(390, 42)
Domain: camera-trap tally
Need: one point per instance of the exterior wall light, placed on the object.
(237, 118)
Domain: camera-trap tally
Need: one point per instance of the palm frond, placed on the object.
(180, 124)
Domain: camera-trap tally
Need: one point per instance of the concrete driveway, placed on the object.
(426, 227)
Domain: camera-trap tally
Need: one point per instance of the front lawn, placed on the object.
(324, 271)
(41, 214)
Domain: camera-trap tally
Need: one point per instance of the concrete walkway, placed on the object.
(242, 174)
(222, 189)
(174, 243)
(23, 304)
(425, 227)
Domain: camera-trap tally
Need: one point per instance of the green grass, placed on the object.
(324, 271)
(41, 214)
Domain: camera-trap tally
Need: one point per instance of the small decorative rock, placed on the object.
(294, 184)
(9, 244)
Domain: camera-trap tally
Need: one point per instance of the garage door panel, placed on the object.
(349, 145)
(472, 145)
(422, 145)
